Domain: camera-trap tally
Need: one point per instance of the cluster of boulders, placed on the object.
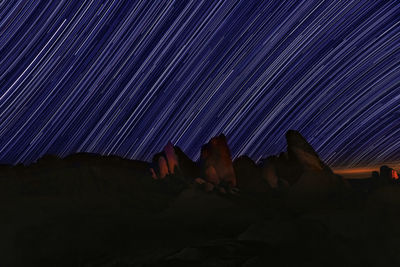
(165, 162)
(299, 169)
(213, 172)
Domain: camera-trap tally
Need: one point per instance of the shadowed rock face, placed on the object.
(299, 149)
(248, 176)
(281, 169)
(110, 211)
(188, 167)
(302, 170)
(269, 174)
(216, 154)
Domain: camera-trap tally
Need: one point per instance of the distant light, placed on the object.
(395, 176)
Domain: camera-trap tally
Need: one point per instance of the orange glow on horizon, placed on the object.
(364, 172)
(355, 170)
(358, 170)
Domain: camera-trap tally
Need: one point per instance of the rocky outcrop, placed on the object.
(269, 174)
(302, 173)
(190, 169)
(288, 167)
(165, 163)
(318, 190)
(217, 162)
(212, 175)
(301, 151)
(300, 168)
(386, 176)
(389, 174)
(248, 175)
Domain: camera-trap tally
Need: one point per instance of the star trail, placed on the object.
(125, 77)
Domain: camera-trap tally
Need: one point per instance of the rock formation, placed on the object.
(299, 168)
(165, 162)
(212, 175)
(288, 167)
(300, 150)
(281, 170)
(190, 170)
(172, 158)
(215, 155)
(269, 174)
(162, 167)
(248, 175)
(388, 175)
(159, 167)
(395, 175)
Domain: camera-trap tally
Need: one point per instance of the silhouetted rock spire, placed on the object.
(300, 150)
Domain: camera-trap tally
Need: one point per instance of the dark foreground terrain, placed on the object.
(89, 210)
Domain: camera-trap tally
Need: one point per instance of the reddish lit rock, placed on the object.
(216, 155)
(395, 176)
(163, 167)
(172, 158)
(386, 174)
(211, 175)
(153, 174)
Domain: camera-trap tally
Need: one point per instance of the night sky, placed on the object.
(125, 77)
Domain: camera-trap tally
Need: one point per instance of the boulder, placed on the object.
(301, 151)
(153, 174)
(208, 187)
(172, 158)
(216, 155)
(211, 175)
(200, 181)
(162, 167)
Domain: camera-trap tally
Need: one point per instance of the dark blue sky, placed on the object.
(124, 77)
